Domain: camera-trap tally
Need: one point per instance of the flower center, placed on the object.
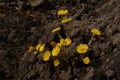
(82, 49)
(64, 42)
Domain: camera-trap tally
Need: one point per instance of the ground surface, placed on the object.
(25, 23)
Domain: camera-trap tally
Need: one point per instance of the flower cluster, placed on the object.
(55, 49)
(63, 42)
(40, 47)
(83, 48)
(64, 12)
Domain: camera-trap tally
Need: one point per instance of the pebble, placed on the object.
(35, 3)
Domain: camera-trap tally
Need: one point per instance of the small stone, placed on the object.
(109, 73)
(34, 3)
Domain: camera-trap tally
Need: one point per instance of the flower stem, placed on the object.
(59, 36)
(91, 39)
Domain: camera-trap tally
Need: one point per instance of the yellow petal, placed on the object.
(65, 20)
(62, 12)
(56, 29)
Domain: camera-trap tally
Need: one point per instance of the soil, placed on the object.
(24, 23)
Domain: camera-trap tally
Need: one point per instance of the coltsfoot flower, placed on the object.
(62, 12)
(86, 60)
(56, 29)
(56, 62)
(65, 20)
(55, 51)
(40, 47)
(82, 48)
(65, 42)
(46, 55)
(95, 32)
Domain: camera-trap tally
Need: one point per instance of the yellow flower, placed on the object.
(86, 60)
(46, 55)
(82, 48)
(56, 62)
(40, 47)
(95, 32)
(65, 42)
(62, 12)
(56, 29)
(65, 20)
(55, 51)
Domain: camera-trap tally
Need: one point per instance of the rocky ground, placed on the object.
(28, 22)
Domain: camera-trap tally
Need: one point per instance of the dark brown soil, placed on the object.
(23, 23)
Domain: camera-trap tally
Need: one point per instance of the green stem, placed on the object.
(59, 36)
(91, 39)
